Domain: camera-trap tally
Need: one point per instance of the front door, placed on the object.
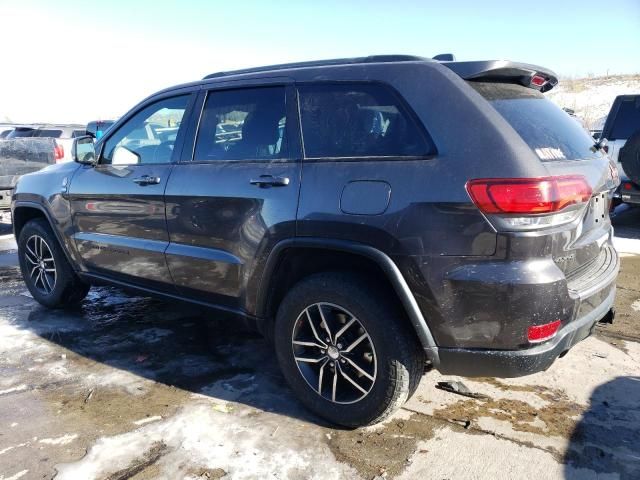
(237, 195)
(118, 206)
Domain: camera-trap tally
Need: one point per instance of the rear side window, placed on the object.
(550, 132)
(243, 124)
(47, 133)
(626, 121)
(357, 120)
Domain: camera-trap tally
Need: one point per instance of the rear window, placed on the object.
(357, 120)
(550, 132)
(48, 133)
(78, 133)
(22, 132)
(626, 121)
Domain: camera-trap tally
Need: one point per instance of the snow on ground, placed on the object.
(591, 98)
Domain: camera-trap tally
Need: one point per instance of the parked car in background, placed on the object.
(622, 132)
(28, 148)
(368, 215)
(97, 128)
(62, 133)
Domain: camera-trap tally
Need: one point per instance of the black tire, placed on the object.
(400, 360)
(66, 287)
(629, 157)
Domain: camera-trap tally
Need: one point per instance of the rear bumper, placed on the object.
(517, 363)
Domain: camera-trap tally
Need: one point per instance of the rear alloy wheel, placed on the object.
(45, 268)
(345, 349)
(334, 353)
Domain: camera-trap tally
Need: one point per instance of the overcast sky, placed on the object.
(72, 61)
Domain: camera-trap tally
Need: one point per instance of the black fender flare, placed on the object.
(50, 219)
(386, 264)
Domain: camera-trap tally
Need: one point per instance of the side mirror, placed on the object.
(83, 150)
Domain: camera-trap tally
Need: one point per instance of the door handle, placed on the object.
(147, 180)
(265, 181)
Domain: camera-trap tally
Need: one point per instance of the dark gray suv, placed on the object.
(370, 216)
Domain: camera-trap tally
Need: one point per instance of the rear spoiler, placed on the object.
(505, 71)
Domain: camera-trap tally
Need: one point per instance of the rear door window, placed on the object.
(358, 120)
(626, 121)
(243, 124)
(548, 130)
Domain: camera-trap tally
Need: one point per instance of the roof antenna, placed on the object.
(445, 57)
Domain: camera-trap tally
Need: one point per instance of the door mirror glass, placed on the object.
(83, 150)
(124, 156)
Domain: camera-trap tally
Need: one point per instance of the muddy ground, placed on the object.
(128, 387)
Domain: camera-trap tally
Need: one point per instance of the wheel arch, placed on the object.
(283, 268)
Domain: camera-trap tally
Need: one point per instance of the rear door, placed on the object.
(119, 220)
(235, 193)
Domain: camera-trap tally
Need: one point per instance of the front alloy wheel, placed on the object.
(41, 264)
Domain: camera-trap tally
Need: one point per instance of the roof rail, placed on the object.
(321, 63)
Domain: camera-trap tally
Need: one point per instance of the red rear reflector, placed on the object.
(538, 80)
(627, 186)
(58, 152)
(540, 333)
(528, 195)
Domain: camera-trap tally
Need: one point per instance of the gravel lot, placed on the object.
(136, 388)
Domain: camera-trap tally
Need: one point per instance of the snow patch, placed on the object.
(19, 388)
(148, 420)
(199, 435)
(63, 440)
(15, 476)
(636, 305)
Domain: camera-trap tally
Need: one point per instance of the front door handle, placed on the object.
(265, 181)
(147, 180)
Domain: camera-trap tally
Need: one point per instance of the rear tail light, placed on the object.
(58, 152)
(540, 333)
(529, 203)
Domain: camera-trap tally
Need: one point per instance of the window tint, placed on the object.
(78, 133)
(627, 120)
(48, 133)
(357, 120)
(549, 131)
(244, 124)
(148, 136)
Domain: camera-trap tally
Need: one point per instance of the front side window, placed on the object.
(357, 120)
(243, 124)
(149, 136)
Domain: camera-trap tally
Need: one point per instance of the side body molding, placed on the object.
(387, 265)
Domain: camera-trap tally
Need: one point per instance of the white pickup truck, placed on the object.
(622, 131)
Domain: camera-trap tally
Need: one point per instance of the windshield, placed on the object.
(550, 132)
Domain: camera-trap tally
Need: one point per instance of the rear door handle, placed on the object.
(147, 180)
(264, 181)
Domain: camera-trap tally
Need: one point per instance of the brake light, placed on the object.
(58, 152)
(538, 80)
(528, 195)
(540, 333)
